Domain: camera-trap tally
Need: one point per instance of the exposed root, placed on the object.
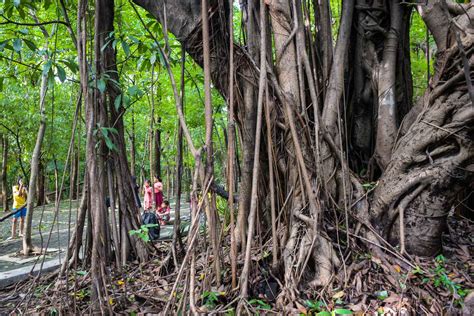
(374, 282)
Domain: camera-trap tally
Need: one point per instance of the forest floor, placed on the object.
(61, 229)
(365, 286)
(43, 221)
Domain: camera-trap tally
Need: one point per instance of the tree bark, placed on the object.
(422, 168)
(132, 147)
(157, 147)
(387, 103)
(74, 174)
(211, 209)
(177, 238)
(41, 200)
(3, 177)
(434, 159)
(35, 161)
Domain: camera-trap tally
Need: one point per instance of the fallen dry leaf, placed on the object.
(301, 308)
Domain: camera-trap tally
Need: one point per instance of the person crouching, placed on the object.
(163, 212)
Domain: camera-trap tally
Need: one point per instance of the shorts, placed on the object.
(20, 213)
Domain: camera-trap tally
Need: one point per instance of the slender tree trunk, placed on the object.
(325, 37)
(151, 137)
(177, 241)
(3, 178)
(387, 104)
(74, 174)
(256, 167)
(212, 216)
(231, 150)
(35, 161)
(157, 147)
(132, 147)
(41, 200)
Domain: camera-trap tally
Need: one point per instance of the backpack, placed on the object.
(150, 218)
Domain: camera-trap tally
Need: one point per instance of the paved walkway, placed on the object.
(12, 264)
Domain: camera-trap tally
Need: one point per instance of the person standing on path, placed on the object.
(19, 205)
(158, 189)
(148, 196)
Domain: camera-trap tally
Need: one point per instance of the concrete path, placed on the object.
(14, 267)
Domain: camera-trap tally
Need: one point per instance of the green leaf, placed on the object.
(101, 85)
(316, 306)
(61, 73)
(153, 58)
(47, 67)
(126, 101)
(109, 143)
(342, 311)
(134, 90)
(21, 12)
(46, 4)
(118, 102)
(3, 44)
(150, 225)
(1, 83)
(134, 39)
(80, 272)
(324, 313)
(381, 295)
(30, 45)
(23, 31)
(72, 65)
(126, 48)
(50, 79)
(260, 304)
(17, 45)
(105, 45)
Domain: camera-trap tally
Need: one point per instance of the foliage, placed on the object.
(259, 304)
(142, 232)
(420, 43)
(211, 299)
(439, 277)
(26, 53)
(442, 279)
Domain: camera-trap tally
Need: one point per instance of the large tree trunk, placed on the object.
(128, 210)
(422, 170)
(95, 153)
(434, 160)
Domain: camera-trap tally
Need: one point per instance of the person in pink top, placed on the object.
(158, 189)
(148, 196)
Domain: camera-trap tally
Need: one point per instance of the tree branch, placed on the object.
(8, 21)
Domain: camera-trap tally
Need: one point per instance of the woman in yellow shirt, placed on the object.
(19, 205)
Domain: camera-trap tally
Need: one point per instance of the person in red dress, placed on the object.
(158, 191)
